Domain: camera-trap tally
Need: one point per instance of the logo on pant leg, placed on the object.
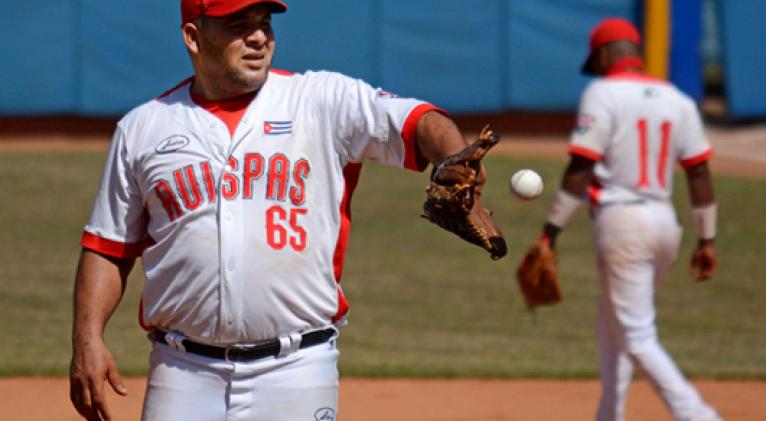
(325, 414)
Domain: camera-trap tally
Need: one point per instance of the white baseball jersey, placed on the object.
(636, 127)
(243, 236)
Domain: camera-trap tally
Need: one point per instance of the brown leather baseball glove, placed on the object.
(453, 197)
(537, 276)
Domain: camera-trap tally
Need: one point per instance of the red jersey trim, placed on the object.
(625, 63)
(635, 76)
(281, 72)
(698, 159)
(351, 177)
(111, 248)
(141, 321)
(585, 152)
(175, 88)
(413, 159)
(343, 306)
(594, 193)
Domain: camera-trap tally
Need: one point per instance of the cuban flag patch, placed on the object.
(277, 127)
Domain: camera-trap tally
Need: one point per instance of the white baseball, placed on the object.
(526, 184)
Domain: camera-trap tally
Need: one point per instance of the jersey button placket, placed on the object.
(228, 283)
(227, 228)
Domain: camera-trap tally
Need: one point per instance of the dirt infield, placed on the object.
(420, 400)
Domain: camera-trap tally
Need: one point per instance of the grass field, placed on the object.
(423, 303)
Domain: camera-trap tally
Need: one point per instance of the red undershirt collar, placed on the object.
(622, 65)
(230, 111)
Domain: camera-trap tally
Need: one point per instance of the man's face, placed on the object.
(236, 50)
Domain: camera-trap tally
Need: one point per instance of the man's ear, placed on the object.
(191, 34)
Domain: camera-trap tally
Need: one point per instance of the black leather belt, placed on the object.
(246, 352)
(632, 202)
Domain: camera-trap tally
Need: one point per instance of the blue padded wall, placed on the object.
(547, 43)
(102, 57)
(41, 64)
(744, 54)
(445, 51)
(127, 58)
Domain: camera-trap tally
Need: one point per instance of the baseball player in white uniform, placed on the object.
(234, 188)
(631, 129)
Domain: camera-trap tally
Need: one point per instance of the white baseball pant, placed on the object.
(185, 386)
(636, 244)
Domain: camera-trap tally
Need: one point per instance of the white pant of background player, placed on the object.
(636, 243)
(183, 386)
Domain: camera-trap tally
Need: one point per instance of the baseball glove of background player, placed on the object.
(537, 276)
(453, 197)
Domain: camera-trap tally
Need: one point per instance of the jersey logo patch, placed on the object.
(386, 94)
(172, 144)
(584, 123)
(324, 414)
(651, 93)
(277, 127)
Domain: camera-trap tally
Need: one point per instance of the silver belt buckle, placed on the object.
(229, 348)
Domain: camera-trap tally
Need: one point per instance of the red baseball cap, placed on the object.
(609, 30)
(194, 9)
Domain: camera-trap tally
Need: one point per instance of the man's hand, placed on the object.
(92, 365)
(99, 285)
(703, 262)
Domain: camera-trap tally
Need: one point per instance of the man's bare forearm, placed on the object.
(574, 184)
(438, 136)
(700, 185)
(578, 176)
(99, 285)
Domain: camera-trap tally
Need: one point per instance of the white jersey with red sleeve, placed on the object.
(242, 237)
(636, 127)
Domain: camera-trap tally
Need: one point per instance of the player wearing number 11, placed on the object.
(631, 129)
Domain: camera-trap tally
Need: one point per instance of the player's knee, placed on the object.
(638, 340)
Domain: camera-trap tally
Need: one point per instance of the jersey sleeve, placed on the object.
(374, 124)
(117, 225)
(594, 124)
(693, 145)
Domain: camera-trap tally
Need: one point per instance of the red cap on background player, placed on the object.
(609, 30)
(194, 9)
